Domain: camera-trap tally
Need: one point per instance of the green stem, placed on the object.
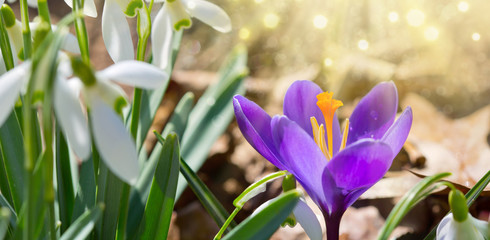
(81, 31)
(225, 225)
(143, 34)
(26, 30)
(43, 10)
(5, 45)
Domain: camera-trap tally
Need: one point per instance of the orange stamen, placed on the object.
(328, 106)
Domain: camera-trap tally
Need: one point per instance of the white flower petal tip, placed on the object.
(71, 118)
(308, 220)
(471, 228)
(114, 143)
(89, 8)
(135, 73)
(11, 84)
(116, 33)
(161, 39)
(210, 14)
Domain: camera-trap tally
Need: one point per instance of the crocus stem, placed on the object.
(332, 223)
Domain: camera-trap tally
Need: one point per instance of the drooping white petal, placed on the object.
(109, 92)
(70, 44)
(11, 84)
(16, 40)
(134, 73)
(89, 8)
(116, 33)
(161, 39)
(209, 13)
(450, 229)
(114, 143)
(70, 116)
(308, 220)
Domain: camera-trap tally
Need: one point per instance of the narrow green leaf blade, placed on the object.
(161, 200)
(408, 201)
(82, 227)
(205, 196)
(141, 190)
(12, 149)
(264, 223)
(64, 177)
(213, 112)
(4, 221)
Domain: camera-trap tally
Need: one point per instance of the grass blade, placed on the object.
(262, 224)
(64, 177)
(12, 149)
(161, 200)
(408, 201)
(141, 190)
(82, 227)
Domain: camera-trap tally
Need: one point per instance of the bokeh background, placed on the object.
(437, 51)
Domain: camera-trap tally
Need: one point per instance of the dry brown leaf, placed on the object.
(458, 146)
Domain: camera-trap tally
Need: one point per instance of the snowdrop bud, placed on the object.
(288, 183)
(457, 201)
(8, 16)
(83, 71)
(42, 28)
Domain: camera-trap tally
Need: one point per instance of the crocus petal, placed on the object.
(374, 114)
(300, 106)
(135, 73)
(308, 220)
(360, 164)
(300, 155)
(88, 8)
(70, 116)
(114, 143)
(255, 125)
(11, 84)
(161, 39)
(209, 13)
(116, 33)
(397, 134)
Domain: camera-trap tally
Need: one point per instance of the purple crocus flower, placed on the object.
(334, 169)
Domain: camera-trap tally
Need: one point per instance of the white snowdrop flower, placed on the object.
(176, 15)
(460, 224)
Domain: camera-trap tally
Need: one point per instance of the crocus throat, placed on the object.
(328, 106)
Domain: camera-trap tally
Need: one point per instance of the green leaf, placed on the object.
(12, 149)
(213, 112)
(262, 224)
(471, 196)
(86, 188)
(64, 177)
(205, 196)
(5, 204)
(141, 190)
(161, 200)
(151, 99)
(256, 188)
(82, 227)
(408, 201)
(4, 221)
(109, 192)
